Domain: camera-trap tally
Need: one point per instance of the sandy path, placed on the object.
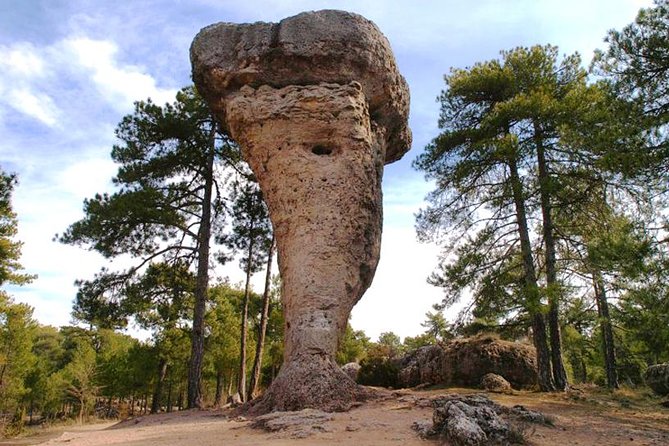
(384, 422)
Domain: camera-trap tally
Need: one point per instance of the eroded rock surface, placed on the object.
(657, 378)
(299, 424)
(318, 107)
(464, 362)
(495, 383)
(475, 420)
(352, 369)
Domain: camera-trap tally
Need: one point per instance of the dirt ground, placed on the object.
(582, 417)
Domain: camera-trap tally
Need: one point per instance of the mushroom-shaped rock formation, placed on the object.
(318, 107)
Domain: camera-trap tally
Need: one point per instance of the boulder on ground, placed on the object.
(475, 420)
(657, 378)
(495, 383)
(464, 362)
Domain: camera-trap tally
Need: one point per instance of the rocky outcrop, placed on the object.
(318, 107)
(475, 420)
(422, 366)
(464, 362)
(657, 378)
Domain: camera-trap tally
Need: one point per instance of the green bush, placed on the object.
(380, 372)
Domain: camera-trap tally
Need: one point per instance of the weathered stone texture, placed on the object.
(310, 48)
(657, 378)
(464, 362)
(495, 383)
(318, 106)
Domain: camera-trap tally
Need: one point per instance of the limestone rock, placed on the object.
(299, 424)
(657, 378)
(464, 362)
(318, 107)
(422, 366)
(495, 383)
(475, 420)
(351, 369)
(307, 49)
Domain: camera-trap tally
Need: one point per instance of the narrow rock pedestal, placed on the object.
(317, 139)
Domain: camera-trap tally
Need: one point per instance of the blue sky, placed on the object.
(71, 69)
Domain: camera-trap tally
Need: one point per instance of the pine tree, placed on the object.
(169, 196)
(252, 237)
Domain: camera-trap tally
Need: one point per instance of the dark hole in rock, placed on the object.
(321, 150)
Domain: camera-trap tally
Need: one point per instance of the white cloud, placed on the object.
(119, 84)
(52, 84)
(35, 104)
(21, 67)
(21, 59)
(85, 177)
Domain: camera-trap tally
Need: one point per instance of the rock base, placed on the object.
(310, 381)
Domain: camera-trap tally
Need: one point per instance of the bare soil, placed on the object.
(582, 417)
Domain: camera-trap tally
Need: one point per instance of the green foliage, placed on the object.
(251, 234)
(17, 330)
(10, 249)
(636, 60)
(80, 375)
(436, 326)
(157, 213)
(635, 65)
(378, 371)
(525, 142)
(379, 367)
(353, 346)
(415, 342)
(224, 320)
(644, 312)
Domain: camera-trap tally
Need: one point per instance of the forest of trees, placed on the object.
(550, 203)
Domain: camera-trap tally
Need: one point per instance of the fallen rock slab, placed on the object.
(298, 424)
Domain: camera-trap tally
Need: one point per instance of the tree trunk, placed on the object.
(230, 381)
(110, 401)
(531, 291)
(218, 399)
(202, 285)
(552, 285)
(80, 415)
(257, 363)
(169, 397)
(608, 343)
(158, 392)
(241, 379)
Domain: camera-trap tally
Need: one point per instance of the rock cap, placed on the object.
(327, 46)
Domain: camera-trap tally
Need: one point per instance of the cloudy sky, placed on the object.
(71, 69)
